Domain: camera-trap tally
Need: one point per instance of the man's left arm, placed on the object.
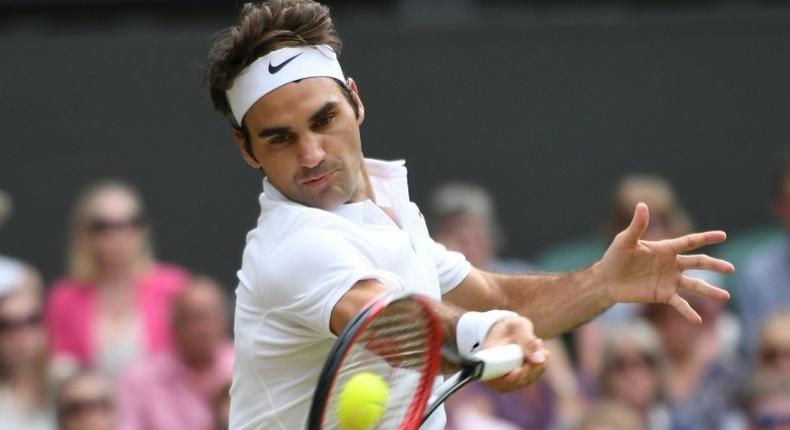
(631, 270)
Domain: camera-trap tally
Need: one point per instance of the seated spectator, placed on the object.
(113, 306)
(667, 219)
(463, 218)
(175, 390)
(26, 380)
(767, 400)
(773, 352)
(762, 283)
(700, 381)
(86, 402)
(666, 213)
(611, 415)
(632, 373)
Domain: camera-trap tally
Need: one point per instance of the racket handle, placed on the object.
(499, 360)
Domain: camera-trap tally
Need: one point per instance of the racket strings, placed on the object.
(394, 347)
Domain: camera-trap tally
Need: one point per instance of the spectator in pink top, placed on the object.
(113, 306)
(178, 390)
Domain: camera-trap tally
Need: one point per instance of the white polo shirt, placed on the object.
(297, 263)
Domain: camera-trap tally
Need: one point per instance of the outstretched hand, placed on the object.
(636, 270)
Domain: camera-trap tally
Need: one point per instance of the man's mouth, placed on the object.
(320, 180)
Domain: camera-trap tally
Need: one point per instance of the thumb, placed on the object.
(639, 222)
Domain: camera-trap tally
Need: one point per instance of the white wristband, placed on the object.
(473, 327)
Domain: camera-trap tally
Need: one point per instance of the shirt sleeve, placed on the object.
(304, 277)
(452, 267)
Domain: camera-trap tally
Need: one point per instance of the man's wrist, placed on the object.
(473, 327)
(601, 283)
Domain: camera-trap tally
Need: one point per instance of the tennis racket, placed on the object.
(399, 340)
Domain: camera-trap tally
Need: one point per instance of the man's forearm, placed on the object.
(555, 303)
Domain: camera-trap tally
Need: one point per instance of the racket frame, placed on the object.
(346, 340)
(471, 370)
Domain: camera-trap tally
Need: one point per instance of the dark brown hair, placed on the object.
(265, 27)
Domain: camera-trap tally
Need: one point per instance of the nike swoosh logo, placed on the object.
(275, 69)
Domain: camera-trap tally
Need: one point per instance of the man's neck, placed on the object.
(365, 192)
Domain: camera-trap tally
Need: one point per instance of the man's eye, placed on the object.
(279, 139)
(323, 122)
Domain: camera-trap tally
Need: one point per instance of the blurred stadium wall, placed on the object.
(547, 105)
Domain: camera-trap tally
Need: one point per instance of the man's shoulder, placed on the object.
(286, 222)
(284, 246)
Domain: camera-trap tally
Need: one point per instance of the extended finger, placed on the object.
(696, 240)
(705, 262)
(637, 226)
(703, 288)
(685, 309)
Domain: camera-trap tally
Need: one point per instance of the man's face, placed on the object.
(305, 136)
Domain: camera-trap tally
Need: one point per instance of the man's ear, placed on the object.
(241, 144)
(354, 90)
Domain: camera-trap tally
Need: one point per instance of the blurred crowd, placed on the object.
(121, 340)
(644, 366)
(124, 341)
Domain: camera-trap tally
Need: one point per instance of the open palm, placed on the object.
(642, 271)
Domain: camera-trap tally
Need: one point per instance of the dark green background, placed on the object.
(547, 107)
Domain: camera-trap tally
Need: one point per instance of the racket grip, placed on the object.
(499, 360)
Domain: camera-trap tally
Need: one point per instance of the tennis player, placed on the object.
(336, 230)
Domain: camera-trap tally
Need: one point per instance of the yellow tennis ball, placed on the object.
(362, 402)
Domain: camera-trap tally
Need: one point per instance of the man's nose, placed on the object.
(311, 152)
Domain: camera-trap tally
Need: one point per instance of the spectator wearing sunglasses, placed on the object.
(86, 402)
(668, 218)
(767, 401)
(113, 306)
(632, 373)
(773, 351)
(26, 379)
(700, 376)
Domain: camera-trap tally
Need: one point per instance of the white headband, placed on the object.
(278, 68)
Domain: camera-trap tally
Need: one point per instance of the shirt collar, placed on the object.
(388, 179)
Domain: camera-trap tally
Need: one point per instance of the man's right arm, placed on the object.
(362, 293)
(515, 329)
